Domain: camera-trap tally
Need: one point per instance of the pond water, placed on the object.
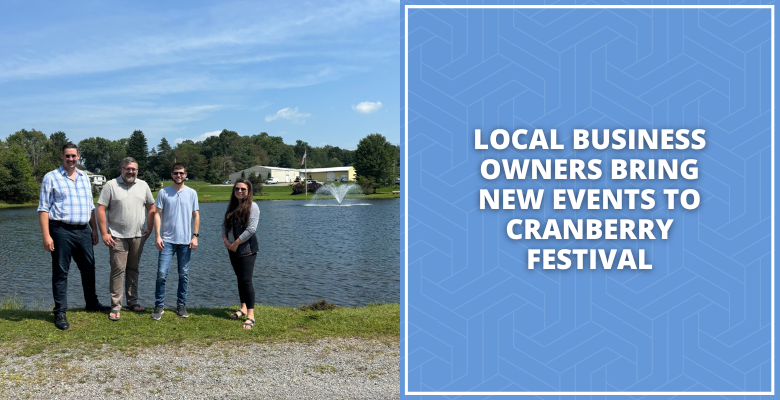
(349, 256)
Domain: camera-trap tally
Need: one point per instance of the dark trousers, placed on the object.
(71, 242)
(244, 267)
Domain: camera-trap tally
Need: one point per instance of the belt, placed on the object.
(60, 223)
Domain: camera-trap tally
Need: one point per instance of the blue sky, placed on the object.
(314, 71)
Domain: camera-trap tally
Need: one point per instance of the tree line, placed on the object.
(27, 155)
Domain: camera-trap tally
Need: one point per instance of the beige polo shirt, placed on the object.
(126, 207)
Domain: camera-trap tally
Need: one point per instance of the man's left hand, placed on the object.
(194, 243)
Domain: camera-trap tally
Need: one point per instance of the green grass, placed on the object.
(28, 331)
(218, 193)
(6, 205)
(193, 184)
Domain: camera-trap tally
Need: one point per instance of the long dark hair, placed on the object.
(238, 210)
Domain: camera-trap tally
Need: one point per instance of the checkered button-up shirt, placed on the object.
(65, 200)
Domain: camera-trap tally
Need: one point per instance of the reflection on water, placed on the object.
(328, 204)
(349, 256)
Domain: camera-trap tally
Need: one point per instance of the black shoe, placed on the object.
(181, 311)
(98, 308)
(157, 313)
(61, 322)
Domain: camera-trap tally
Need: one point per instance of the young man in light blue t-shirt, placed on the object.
(176, 226)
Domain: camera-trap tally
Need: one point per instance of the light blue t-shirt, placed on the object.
(176, 218)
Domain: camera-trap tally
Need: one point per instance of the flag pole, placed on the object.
(305, 173)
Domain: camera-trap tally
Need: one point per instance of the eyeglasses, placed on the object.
(240, 189)
(178, 173)
(130, 169)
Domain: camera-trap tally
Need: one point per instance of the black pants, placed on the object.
(244, 267)
(71, 242)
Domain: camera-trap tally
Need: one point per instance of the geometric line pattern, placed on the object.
(478, 319)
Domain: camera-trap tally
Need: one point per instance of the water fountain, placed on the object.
(348, 194)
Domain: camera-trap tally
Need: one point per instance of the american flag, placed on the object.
(304, 158)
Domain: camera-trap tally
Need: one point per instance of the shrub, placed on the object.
(95, 191)
(257, 184)
(368, 185)
(299, 188)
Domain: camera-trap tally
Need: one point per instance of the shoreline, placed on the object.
(379, 196)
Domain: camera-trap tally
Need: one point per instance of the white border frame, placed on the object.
(406, 199)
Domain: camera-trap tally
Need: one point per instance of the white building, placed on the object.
(282, 174)
(332, 174)
(96, 180)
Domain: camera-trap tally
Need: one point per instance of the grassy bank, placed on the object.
(213, 193)
(208, 193)
(6, 205)
(31, 332)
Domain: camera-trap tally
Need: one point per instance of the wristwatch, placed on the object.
(195, 235)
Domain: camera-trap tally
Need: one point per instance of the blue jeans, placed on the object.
(183, 252)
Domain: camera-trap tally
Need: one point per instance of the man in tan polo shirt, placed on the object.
(122, 207)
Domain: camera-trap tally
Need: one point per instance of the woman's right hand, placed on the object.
(226, 243)
(234, 246)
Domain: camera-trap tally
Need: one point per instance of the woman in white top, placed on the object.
(238, 236)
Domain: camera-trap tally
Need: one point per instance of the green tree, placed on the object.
(58, 139)
(151, 161)
(287, 157)
(279, 154)
(163, 160)
(17, 184)
(374, 159)
(164, 147)
(37, 148)
(334, 162)
(138, 148)
(317, 157)
(152, 179)
(211, 147)
(188, 153)
(299, 148)
(257, 184)
(212, 176)
(260, 156)
(102, 155)
(222, 165)
(242, 152)
(395, 150)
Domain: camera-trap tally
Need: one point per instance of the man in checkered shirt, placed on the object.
(65, 210)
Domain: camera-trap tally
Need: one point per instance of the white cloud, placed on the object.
(367, 107)
(282, 133)
(290, 114)
(199, 138)
(236, 37)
